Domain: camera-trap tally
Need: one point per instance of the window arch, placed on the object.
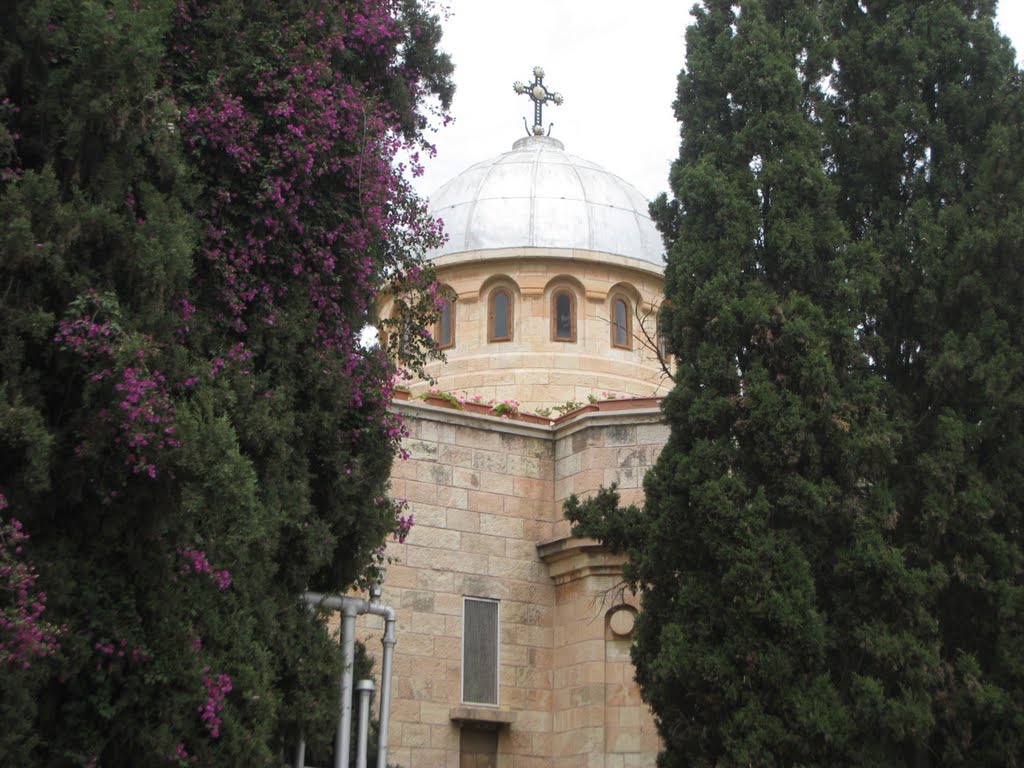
(563, 315)
(622, 322)
(499, 315)
(444, 328)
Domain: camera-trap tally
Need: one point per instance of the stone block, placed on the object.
(415, 599)
(438, 538)
(513, 655)
(495, 482)
(452, 498)
(536, 721)
(446, 560)
(438, 474)
(426, 757)
(539, 529)
(587, 695)
(431, 624)
(534, 636)
(531, 488)
(622, 740)
(447, 647)
(480, 439)
(625, 477)
(483, 501)
(500, 525)
(531, 761)
(540, 594)
(402, 470)
(448, 603)
(484, 545)
(526, 466)
(438, 582)
(454, 455)
(466, 478)
(399, 575)
(420, 450)
(652, 434)
(567, 466)
(413, 644)
(531, 677)
(588, 481)
(519, 549)
(444, 736)
(620, 435)
(463, 520)
(427, 516)
(563, 490)
(523, 570)
(519, 445)
(422, 493)
(478, 584)
(490, 461)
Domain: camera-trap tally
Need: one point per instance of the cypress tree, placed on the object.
(197, 208)
(780, 624)
(927, 137)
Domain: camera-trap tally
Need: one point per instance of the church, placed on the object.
(513, 636)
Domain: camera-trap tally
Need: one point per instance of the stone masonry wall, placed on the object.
(485, 492)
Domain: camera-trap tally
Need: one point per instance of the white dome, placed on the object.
(538, 195)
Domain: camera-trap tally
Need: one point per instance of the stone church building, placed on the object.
(513, 636)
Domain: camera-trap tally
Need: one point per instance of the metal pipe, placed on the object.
(348, 654)
(364, 688)
(388, 641)
(351, 607)
(300, 754)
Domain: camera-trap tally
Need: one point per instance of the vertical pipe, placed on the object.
(365, 688)
(348, 650)
(300, 753)
(388, 641)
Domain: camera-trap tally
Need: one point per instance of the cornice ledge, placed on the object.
(570, 558)
(489, 718)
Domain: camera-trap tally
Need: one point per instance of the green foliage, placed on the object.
(927, 133)
(830, 547)
(189, 431)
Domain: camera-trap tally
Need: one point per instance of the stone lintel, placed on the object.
(483, 718)
(569, 559)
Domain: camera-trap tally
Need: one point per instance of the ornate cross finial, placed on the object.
(540, 95)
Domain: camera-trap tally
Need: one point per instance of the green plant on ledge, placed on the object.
(453, 400)
(505, 408)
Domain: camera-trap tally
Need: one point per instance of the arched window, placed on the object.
(563, 315)
(444, 331)
(499, 315)
(622, 323)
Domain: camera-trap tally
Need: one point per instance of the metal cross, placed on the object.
(540, 95)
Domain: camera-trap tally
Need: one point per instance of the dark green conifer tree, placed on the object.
(780, 624)
(927, 142)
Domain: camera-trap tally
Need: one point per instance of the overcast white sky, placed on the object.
(614, 61)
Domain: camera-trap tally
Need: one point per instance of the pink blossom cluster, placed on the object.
(85, 335)
(196, 562)
(121, 650)
(181, 755)
(217, 689)
(24, 635)
(147, 418)
(311, 197)
(405, 524)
